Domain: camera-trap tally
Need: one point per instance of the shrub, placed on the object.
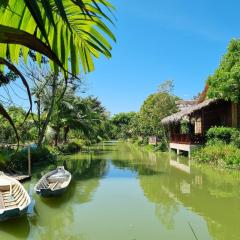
(139, 141)
(184, 127)
(219, 154)
(72, 147)
(38, 155)
(221, 134)
(5, 157)
(236, 138)
(162, 146)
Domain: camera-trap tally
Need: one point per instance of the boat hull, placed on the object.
(13, 213)
(54, 183)
(47, 193)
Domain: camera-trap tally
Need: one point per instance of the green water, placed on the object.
(123, 193)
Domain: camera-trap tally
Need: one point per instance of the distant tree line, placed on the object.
(139, 126)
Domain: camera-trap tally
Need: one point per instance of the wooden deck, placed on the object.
(183, 147)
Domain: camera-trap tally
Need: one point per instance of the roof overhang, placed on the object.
(187, 112)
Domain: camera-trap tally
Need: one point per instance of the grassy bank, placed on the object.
(219, 154)
(222, 148)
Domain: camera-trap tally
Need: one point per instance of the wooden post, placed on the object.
(29, 162)
(178, 151)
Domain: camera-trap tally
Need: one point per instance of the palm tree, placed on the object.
(58, 29)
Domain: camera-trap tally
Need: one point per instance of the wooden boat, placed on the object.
(53, 183)
(14, 199)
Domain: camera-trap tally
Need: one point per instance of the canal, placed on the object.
(120, 192)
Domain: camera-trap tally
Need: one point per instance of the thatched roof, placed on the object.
(183, 104)
(187, 112)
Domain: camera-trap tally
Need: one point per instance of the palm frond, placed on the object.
(75, 29)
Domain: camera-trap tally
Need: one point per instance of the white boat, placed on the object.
(53, 183)
(14, 199)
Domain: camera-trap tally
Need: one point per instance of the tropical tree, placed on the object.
(93, 117)
(154, 109)
(122, 127)
(27, 131)
(45, 92)
(85, 117)
(225, 82)
(59, 30)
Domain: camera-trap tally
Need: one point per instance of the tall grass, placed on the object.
(224, 155)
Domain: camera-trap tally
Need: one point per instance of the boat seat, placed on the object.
(53, 185)
(44, 184)
(14, 190)
(2, 206)
(10, 205)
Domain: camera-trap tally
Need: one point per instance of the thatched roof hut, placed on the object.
(187, 112)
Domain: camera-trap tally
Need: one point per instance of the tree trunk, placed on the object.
(66, 131)
(56, 137)
(47, 120)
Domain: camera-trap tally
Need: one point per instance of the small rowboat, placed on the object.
(14, 199)
(53, 183)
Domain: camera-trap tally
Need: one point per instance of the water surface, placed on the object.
(120, 192)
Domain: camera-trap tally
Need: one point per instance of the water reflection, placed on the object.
(211, 193)
(21, 227)
(129, 193)
(86, 173)
(181, 163)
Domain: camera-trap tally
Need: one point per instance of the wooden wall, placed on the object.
(219, 114)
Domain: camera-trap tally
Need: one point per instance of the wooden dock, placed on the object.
(20, 178)
(16, 175)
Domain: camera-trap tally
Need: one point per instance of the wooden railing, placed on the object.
(186, 138)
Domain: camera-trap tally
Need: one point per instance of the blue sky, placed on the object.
(181, 40)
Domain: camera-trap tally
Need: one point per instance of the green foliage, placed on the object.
(222, 134)
(236, 138)
(147, 122)
(222, 148)
(71, 147)
(184, 125)
(224, 83)
(38, 155)
(87, 119)
(122, 125)
(154, 109)
(27, 131)
(69, 33)
(5, 153)
(61, 30)
(162, 146)
(224, 155)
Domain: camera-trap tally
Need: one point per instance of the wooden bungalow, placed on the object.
(200, 116)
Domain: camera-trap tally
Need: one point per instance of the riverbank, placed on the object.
(219, 154)
(10, 159)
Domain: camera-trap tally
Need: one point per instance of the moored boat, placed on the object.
(53, 183)
(14, 199)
